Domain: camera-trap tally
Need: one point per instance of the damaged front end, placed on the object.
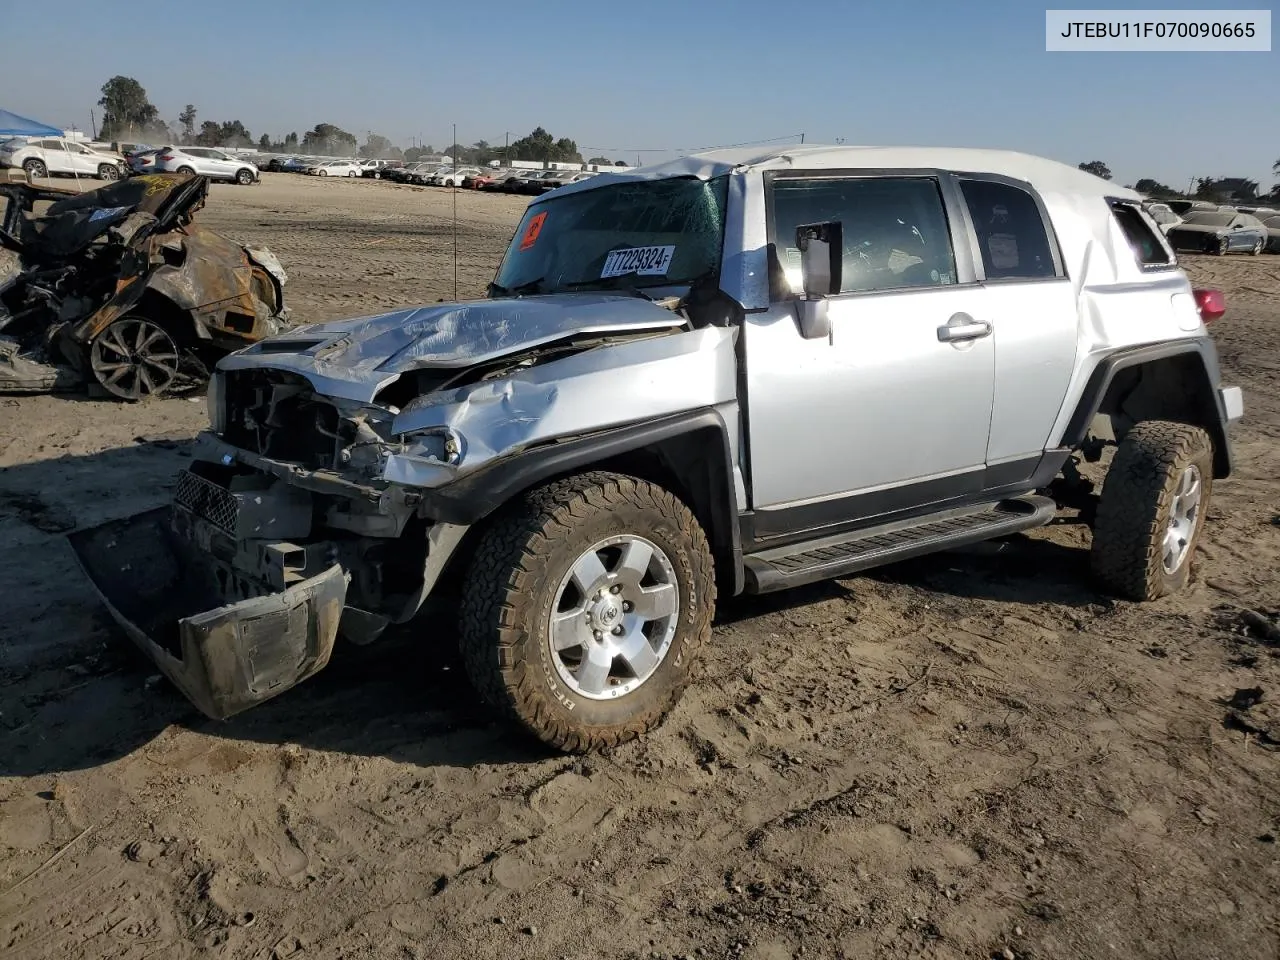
(118, 287)
(325, 479)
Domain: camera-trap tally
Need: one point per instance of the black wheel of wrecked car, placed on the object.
(584, 607)
(1152, 508)
(134, 358)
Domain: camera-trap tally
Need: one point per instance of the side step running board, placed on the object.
(839, 556)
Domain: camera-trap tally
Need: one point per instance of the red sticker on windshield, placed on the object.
(532, 230)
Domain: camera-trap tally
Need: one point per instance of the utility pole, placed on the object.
(93, 123)
(802, 138)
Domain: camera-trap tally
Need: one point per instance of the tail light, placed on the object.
(1211, 303)
(166, 157)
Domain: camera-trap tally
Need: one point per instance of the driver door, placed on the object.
(892, 410)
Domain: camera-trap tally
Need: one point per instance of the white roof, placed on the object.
(1042, 173)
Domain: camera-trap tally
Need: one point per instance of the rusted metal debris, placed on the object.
(120, 289)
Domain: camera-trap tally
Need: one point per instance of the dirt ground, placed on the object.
(970, 756)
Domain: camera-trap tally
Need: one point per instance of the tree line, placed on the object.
(1214, 189)
(129, 115)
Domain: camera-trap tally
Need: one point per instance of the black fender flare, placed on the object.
(472, 498)
(1212, 415)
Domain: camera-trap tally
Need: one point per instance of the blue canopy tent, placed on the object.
(12, 125)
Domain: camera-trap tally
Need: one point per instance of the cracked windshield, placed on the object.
(631, 235)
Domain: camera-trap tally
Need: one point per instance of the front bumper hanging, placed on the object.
(225, 657)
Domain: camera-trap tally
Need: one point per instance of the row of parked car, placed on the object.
(1200, 226)
(434, 173)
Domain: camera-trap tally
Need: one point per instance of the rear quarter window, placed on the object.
(1146, 246)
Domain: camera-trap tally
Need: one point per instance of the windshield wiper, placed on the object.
(609, 283)
(529, 286)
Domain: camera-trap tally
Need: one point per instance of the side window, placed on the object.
(1146, 246)
(50, 145)
(895, 230)
(1011, 233)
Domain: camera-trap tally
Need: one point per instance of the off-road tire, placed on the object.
(1135, 504)
(512, 583)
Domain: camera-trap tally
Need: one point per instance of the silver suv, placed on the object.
(732, 373)
(214, 164)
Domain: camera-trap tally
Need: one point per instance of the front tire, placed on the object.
(584, 608)
(1152, 509)
(1258, 247)
(189, 171)
(1224, 246)
(244, 176)
(107, 171)
(36, 168)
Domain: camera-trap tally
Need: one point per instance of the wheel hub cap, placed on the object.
(614, 616)
(1184, 515)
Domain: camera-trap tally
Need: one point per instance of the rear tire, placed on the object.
(1152, 509)
(584, 608)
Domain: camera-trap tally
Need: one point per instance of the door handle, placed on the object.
(963, 327)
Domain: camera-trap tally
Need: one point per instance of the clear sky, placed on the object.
(672, 75)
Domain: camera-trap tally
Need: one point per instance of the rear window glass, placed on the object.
(1011, 232)
(1146, 246)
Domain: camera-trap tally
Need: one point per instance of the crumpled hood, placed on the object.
(356, 358)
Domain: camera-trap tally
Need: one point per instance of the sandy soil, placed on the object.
(974, 755)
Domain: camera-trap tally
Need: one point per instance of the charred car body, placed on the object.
(119, 287)
(714, 376)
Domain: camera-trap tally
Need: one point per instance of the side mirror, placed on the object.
(821, 257)
(821, 248)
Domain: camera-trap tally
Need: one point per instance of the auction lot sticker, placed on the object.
(645, 261)
(532, 230)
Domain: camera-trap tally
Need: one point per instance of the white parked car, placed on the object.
(43, 156)
(453, 176)
(207, 161)
(1164, 216)
(337, 168)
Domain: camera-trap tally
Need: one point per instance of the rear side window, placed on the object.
(1011, 232)
(1146, 246)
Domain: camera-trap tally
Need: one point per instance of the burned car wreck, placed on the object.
(120, 289)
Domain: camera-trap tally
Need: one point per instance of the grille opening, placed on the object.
(278, 415)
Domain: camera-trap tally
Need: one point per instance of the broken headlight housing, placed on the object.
(441, 444)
